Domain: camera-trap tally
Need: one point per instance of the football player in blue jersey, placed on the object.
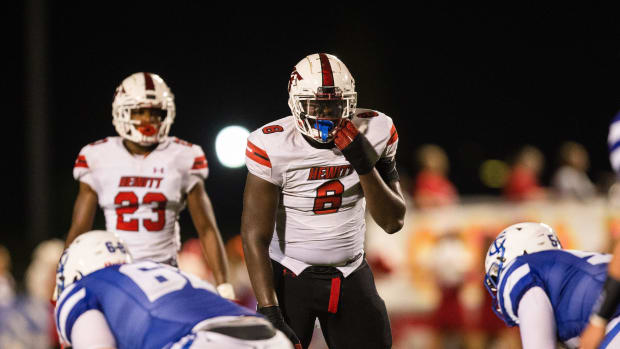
(610, 297)
(106, 301)
(547, 291)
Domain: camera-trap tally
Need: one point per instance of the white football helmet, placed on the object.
(516, 240)
(321, 94)
(89, 252)
(142, 90)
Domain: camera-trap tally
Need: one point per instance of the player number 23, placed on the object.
(128, 203)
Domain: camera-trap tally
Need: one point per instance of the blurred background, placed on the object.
(502, 115)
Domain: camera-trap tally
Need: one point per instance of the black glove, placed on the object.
(274, 315)
(355, 148)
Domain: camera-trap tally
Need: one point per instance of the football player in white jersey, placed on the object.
(144, 178)
(310, 178)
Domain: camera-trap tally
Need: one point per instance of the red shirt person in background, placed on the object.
(432, 188)
(522, 183)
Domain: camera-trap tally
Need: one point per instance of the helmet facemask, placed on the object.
(318, 116)
(491, 282)
(139, 132)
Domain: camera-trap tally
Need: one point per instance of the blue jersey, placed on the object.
(146, 304)
(571, 279)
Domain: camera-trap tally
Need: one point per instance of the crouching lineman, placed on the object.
(547, 291)
(106, 301)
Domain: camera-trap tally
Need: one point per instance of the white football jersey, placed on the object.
(141, 196)
(321, 214)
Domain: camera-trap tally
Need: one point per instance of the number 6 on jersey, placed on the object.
(328, 197)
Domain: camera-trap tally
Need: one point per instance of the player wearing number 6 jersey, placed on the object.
(143, 179)
(106, 301)
(310, 178)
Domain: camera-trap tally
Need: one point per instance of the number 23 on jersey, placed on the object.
(128, 203)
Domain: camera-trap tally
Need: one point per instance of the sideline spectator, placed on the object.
(7, 283)
(571, 179)
(432, 188)
(523, 183)
(28, 321)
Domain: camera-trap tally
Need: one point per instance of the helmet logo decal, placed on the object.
(60, 278)
(149, 85)
(293, 79)
(495, 248)
(326, 70)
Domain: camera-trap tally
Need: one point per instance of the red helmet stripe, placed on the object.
(326, 69)
(148, 82)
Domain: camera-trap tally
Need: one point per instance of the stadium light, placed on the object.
(230, 146)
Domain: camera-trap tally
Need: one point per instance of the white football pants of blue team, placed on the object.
(205, 339)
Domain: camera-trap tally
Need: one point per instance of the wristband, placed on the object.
(387, 169)
(355, 147)
(359, 153)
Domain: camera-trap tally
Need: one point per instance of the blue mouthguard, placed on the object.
(324, 126)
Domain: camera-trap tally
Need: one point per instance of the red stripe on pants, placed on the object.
(334, 296)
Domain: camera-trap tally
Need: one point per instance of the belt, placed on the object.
(323, 268)
(247, 332)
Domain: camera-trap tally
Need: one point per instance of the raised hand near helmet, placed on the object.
(355, 147)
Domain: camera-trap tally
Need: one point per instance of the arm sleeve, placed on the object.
(91, 331)
(536, 320)
(258, 162)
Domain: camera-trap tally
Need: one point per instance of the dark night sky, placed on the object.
(479, 82)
